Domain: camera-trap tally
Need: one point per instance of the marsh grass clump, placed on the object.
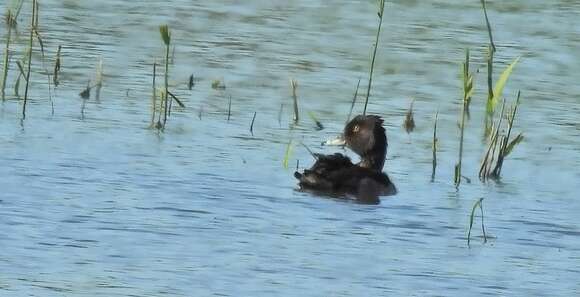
(163, 111)
(500, 146)
(477, 204)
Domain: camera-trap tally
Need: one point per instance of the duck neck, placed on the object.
(374, 159)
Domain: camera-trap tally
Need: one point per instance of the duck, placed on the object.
(337, 176)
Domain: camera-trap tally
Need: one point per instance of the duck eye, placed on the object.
(355, 129)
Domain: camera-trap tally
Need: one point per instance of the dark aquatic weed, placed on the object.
(57, 65)
(252, 124)
(409, 123)
(294, 86)
(190, 83)
(319, 125)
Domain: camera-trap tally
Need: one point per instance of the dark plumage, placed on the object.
(337, 176)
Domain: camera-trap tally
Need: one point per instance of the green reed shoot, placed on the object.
(353, 100)
(287, 154)
(467, 78)
(376, 45)
(166, 37)
(6, 55)
(435, 140)
(477, 204)
(33, 23)
(319, 125)
(409, 123)
(488, 26)
(497, 92)
(294, 86)
(154, 96)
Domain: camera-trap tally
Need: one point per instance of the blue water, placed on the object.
(100, 205)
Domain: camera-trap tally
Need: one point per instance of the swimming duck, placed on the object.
(337, 176)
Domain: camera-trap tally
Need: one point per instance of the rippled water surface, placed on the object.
(100, 205)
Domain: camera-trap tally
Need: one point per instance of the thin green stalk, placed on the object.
(154, 95)
(488, 25)
(478, 203)
(166, 36)
(166, 87)
(32, 26)
(353, 101)
(434, 147)
(6, 58)
(294, 85)
(380, 13)
(467, 92)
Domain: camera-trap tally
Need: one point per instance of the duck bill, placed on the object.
(339, 141)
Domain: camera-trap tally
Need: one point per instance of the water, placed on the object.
(102, 206)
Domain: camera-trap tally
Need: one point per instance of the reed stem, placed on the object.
(380, 13)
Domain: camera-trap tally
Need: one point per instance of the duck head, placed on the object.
(366, 136)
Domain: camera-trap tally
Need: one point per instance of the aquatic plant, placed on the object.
(488, 26)
(492, 163)
(217, 84)
(6, 55)
(434, 147)
(467, 78)
(166, 37)
(99, 79)
(478, 203)
(33, 23)
(376, 45)
(353, 101)
(496, 94)
(409, 123)
(319, 125)
(252, 124)
(190, 82)
(154, 96)
(57, 65)
(294, 86)
(287, 154)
